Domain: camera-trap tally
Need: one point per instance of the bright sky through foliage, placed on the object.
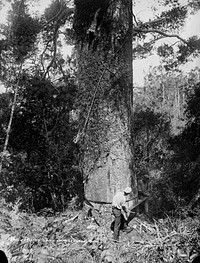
(144, 10)
(141, 66)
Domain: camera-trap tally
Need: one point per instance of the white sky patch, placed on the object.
(144, 10)
(4, 13)
(38, 7)
(141, 68)
(192, 26)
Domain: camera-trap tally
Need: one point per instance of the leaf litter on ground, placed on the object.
(73, 237)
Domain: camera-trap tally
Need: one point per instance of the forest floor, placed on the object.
(72, 237)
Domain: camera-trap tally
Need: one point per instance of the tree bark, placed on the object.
(106, 84)
(10, 121)
(9, 128)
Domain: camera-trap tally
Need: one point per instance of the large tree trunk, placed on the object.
(105, 90)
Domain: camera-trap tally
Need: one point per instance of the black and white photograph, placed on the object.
(99, 131)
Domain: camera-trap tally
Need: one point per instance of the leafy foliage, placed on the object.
(85, 14)
(165, 50)
(150, 132)
(195, 5)
(166, 149)
(23, 30)
(42, 165)
(186, 152)
(185, 53)
(55, 16)
(167, 24)
(177, 185)
(193, 49)
(42, 145)
(43, 161)
(177, 15)
(71, 237)
(103, 25)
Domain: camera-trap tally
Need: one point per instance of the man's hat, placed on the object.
(127, 190)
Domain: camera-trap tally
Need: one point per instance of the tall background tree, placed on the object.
(41, 163)
(19, 43)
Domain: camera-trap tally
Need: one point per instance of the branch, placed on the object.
(155, 21)
(21, 7)
(54, 51)
(134, 17)
(41, 57)
(71, 219)
(62, 71)
(55, 17)
(45, 125)
(161, 33)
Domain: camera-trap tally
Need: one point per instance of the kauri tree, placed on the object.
(105, 32)
(104, 54)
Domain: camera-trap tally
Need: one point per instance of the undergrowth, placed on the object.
(73, 237)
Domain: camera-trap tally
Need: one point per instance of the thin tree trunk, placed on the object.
(9, 124)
